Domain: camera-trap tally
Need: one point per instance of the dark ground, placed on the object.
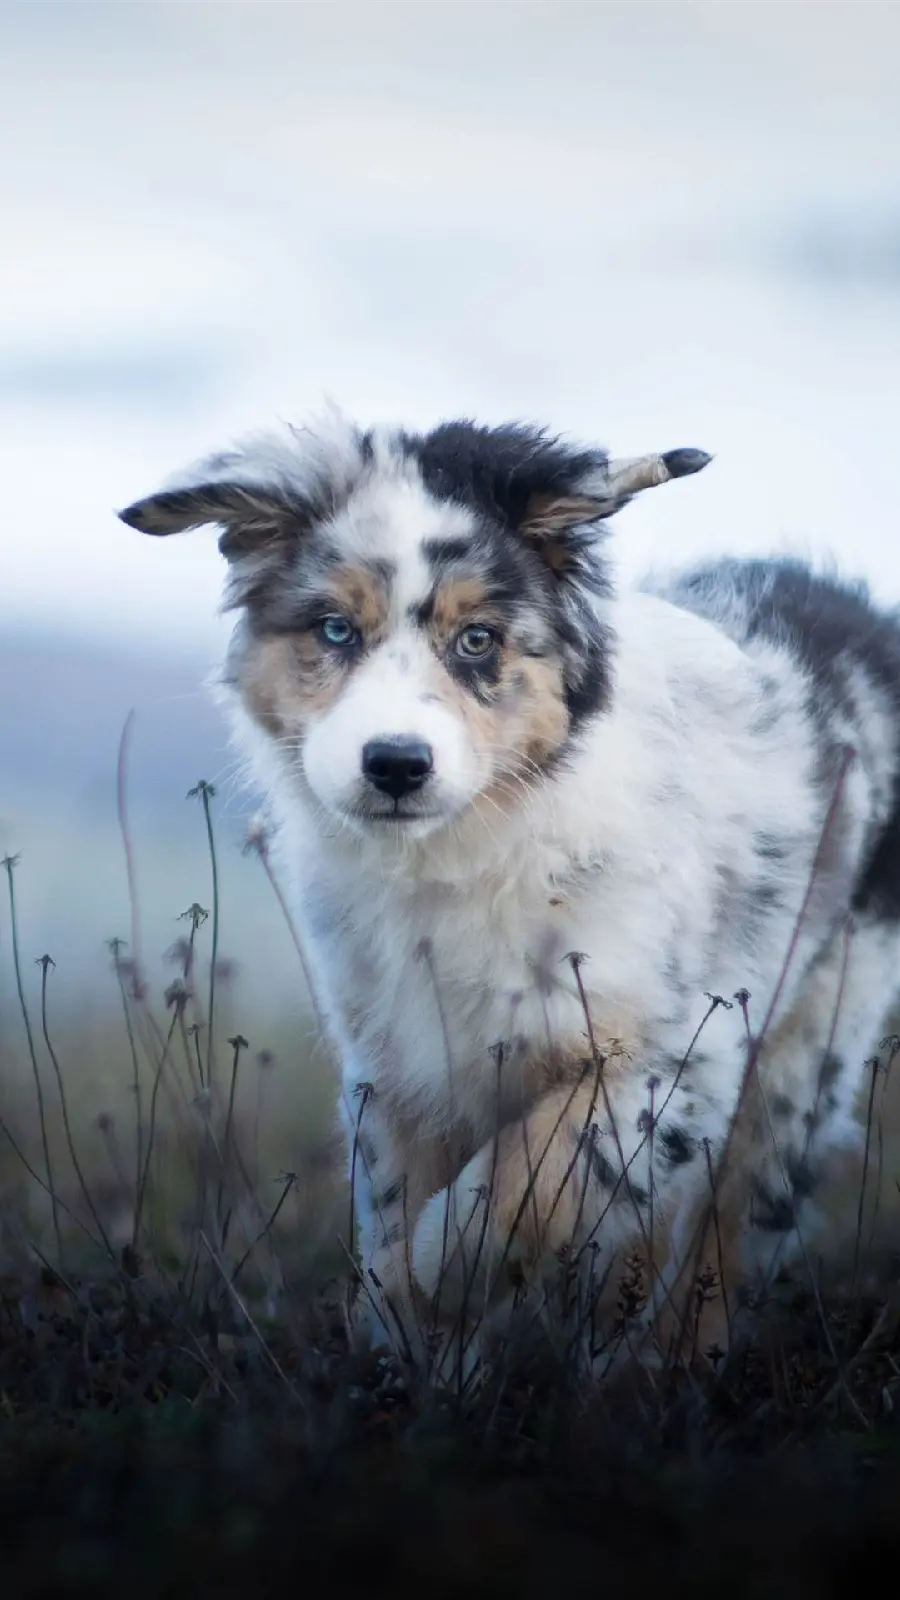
(145, 1451)
(157, 1439)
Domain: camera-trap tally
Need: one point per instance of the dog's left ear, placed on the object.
(550, 517)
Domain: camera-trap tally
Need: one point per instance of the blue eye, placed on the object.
(476, 642)
(337, 631)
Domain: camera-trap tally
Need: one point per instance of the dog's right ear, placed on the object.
(264, 493)
(251, 517)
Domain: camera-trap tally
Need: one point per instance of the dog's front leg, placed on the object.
(394, 1167)
(541, 1184)
(589, 1170)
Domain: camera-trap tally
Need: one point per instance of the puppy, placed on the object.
(601, 890)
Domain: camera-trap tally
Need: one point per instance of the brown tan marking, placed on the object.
(361, 594)
(549, 517)
(285, 679)
(560, 1092)
(456, 602)
(541, 705)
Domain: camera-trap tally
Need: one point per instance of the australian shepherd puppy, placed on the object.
(601, 889)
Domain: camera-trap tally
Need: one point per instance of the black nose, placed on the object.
(397, 766)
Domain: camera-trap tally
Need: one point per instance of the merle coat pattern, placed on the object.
(484, 762)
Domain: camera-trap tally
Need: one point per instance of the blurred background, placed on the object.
(644, 224)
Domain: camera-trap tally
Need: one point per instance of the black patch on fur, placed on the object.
(803, 1180)
(768, 848)
(442, 552)
(591, 691)
(776, 1213)
(682, 463)
(369, 1152)
(766, 895)
(830, 1071)
(678, 1066)
(479, 677)
(771, 1213)
(388, 1197)
(782, 1106)
(495, 473)
(604, 1173)
(830, 628)
(601, 1169)
(677, 1147)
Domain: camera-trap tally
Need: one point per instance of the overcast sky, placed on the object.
(647, 225)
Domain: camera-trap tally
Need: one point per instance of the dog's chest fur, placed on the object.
(428, 978)
(440, 977)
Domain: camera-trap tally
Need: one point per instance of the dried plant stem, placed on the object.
(10, 863)
(135, 1081)
(238, 1043)
(45, 963)
(151, 1132)
(205, 792)
(290, 1179)
(239, 1302)
(127, 843)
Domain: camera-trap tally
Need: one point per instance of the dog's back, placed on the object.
(846, 648)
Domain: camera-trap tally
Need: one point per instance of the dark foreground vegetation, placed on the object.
(143, 1453)
(180, 1410)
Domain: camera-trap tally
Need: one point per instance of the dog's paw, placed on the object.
(470, 1243)
(369, 1328)
(445, 1246)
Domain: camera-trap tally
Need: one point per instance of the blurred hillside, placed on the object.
(63, 706)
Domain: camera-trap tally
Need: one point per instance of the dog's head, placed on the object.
(425, 618)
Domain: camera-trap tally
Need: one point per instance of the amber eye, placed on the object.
(337, 631)
(476, 642)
